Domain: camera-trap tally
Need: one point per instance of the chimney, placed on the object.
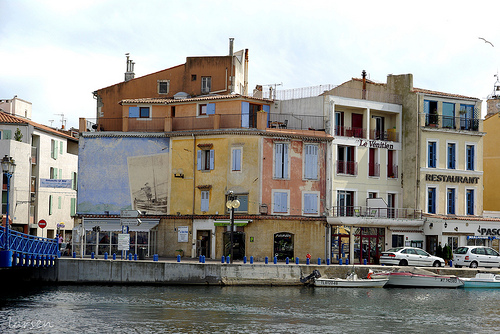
(129, 74)
(231, 75)
(363, 74)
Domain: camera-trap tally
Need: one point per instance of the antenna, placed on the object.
(51, 121)
(273, 91)
(63, 120)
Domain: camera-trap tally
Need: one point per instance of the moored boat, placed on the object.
(418, 278)
(482, 280)
(352, 281)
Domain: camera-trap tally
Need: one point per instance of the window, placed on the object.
(7, 134)
(163, 86)
(431, 113)
(206, 84)
(74, 181)
(311, 162)
(310, 203)
(392, 167)
(60, 173)
(280, 202)
(204, 200)
(450, 199)
(470, 201)
(467, 121)
(373, 165)
(60, 147)
(243, 198)
(53, 149)
(59, 202)
(53, 173)
(281, 161)
(431, 200)
(448, 115)
(345, 160)
(144, 112)
(451, 155)
(339, 123)
(431, 154)
(469, 150)
(453, 243)
(193, 77)
(379, 128)
(345, 203)
(372, 194)
(202, 110)
(73, 207)
(236, 159)
(50, 204)
(205, 159)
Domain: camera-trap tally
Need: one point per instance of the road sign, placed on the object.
(61, 225)
(123, 241)
(124, 229)
(130, 213)
(130, 221)
(42, 223)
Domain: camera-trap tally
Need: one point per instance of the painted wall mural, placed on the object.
(123, 173)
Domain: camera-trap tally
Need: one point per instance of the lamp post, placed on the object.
(8, 167)
(232, 203)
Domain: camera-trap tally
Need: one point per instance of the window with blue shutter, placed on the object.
(310, 203)
(133, 112)
(205, 159)
(245, 114)
(470, 157)
(431, 154)
(236, 160)
(311, 161)
(431, 200)
(451, 201)
(451, 156)
(204, 200)
(210, 108)
(470, 202)
(280, 202)
(281, 161)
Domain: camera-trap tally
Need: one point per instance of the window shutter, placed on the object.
(311, 162)
(310, 203)
(55, 149)
(198, 160)
(73, 207)
(55, 173)
(245, 114)
(211, 109)
(285, 161)
(60, 147)
(50, 204)
(212, 158)
(236, 160)
(278, 161)
(204, 201)
(133, 112)
(7, 134)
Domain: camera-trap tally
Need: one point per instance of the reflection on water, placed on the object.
(195, 309)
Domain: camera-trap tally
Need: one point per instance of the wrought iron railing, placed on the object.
(347, 167)
(369, 212)
(451, 122)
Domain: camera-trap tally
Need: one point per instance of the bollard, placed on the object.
(287, 260)
(130, 256)
(155, 257)
(14, 260)
(222, 259)
(204, 258)
(244, 259)
(92, 255)
(135, 257)
(328, 261)
(364, 262)
(74, 255)
(251, 259)
(105, 255)
(275, 259)
(266, 260)
(451, 263)
(178, 258)
(200, 259)
(346, 262)
(228, 259)
(114, 256)
(319, 261)
(308, 260)
(297, 260)
(340, 262)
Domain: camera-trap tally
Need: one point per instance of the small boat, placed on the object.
(482, 280)
(352, 281)
(418, 278)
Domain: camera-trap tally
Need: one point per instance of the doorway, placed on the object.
(283, 246)
(238, 244)
(368, 243)
(203, 238)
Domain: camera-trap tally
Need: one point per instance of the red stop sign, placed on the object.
(42, 223)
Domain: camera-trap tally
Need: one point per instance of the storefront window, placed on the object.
(368, 243)
(453, 243)
(283, 246)
(103, 242)
(476, 242)
(340, 242)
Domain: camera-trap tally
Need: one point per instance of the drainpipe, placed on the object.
(231, 79)
(193, 246)
(363, 74)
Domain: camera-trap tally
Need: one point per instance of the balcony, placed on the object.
(369, 212)
(451, 122)
(392, 171)
(347, 167)
(373, 169)
(388, 135)
(346, 131)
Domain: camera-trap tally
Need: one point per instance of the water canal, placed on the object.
(237, 309)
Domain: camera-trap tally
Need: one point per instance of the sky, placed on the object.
(55, 53)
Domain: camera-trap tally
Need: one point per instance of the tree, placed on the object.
(18, 136)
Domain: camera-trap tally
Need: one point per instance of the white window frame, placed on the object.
(304, 193)
(206, 85)
(311, 174)
(201, 156)
(474, 167)
(205, 200)
(54, 150)
(429, 140)
(286, 163)
(287, 191)
(159, 82)
(435, 186)
(474, 189)
(236, 160)
(199, 107)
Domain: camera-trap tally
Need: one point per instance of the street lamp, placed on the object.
(232, 203)
(8, 167)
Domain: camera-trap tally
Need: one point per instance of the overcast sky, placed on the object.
(56, 53)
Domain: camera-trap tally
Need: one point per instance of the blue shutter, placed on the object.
(310, 203)
(470, 157)
(245, 114)
(426, 107)
(431, 201)
(212, 157)
(285, 161)
(278, 161)
(210, 108)
(243, 203)
(280, 202)
(267, 109)
(432, 155)
(198, 160)
(311, 162)
(470, 202)
(204, 200)
(451, 201)
(133, 112)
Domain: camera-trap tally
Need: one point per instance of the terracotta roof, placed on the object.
(161, 100)
(6, 118)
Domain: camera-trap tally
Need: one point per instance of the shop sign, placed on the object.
(182, 234)
(490, 231)
(123, 241)
(451, 178)
(375, 144)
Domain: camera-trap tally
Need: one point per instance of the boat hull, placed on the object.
(404, 279)
(488, 281)
(346, 283)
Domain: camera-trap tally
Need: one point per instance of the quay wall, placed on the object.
(94, 271)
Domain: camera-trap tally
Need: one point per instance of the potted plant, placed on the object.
(179, 252)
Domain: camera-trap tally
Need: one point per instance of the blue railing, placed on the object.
(28, 244)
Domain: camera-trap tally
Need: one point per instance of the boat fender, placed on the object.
(370, 272)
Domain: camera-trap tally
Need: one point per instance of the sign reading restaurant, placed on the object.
(451, 178)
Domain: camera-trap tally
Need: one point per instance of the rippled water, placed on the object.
(196, 309)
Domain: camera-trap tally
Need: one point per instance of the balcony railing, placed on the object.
(392, 171)
(387, 135)
(346, 131)
(347, 167)
(451, 122)
(369, 212)
(373, 169)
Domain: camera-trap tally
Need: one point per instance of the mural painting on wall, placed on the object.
(129, 173)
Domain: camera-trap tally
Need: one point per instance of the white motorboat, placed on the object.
(418, 278)
(352, 281)
(482, 280)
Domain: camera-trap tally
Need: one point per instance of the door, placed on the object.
(431, 242)
(283, 246)
(357, 125)
(203, 242)
(238, 244)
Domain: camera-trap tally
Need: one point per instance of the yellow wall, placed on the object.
(491, 163)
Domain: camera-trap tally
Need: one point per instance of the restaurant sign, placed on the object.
(451, 178)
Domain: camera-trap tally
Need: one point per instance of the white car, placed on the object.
(410, 256)
(476, 256)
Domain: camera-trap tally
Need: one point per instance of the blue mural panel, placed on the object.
(123, 173)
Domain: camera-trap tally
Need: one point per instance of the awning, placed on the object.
(113, 224)
(237, 222)
(372, 222)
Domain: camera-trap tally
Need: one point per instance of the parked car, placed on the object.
(410, 256)
(476, 256)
